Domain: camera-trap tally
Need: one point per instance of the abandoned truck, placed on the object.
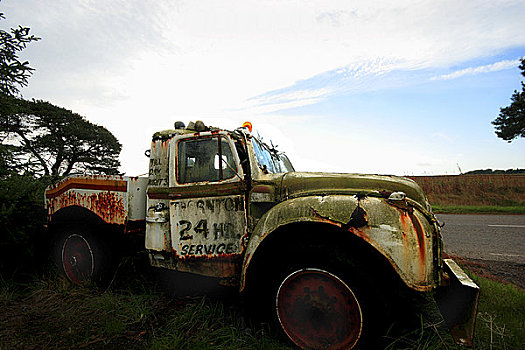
(327, 252)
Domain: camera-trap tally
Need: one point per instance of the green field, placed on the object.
(477, 209)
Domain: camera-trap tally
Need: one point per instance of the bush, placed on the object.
(22, 218)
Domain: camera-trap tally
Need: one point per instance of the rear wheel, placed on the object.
(82, 257)
(318, 310)
(78, 261)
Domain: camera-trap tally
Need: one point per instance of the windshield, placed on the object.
(269, 160)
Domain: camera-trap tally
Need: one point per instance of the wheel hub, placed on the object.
(317, 310)
(77, 259)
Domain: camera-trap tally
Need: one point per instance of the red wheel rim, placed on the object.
(77, 259)
(317, 310)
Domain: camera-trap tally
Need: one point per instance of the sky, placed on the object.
(384, 87)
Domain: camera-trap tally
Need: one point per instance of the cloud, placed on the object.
(359, 76)
(494, 67)
(226, 53)
(443, 137)
(286, 99)
(138, 65)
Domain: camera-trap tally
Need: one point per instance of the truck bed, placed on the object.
(115, 199)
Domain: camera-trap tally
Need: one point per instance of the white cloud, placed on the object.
(288, 99)
(228, 52)
(494, 67)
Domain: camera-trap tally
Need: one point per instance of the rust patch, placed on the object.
(218, 266)
(135, 226)
(360, 233)
(262, 189)
(109, 206)
(410, 223)
(420, 236)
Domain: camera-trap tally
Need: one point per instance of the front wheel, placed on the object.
(318, 310)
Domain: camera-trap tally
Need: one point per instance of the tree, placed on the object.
(39, 143)
(47, 140)
(13, 72)
(511, 121)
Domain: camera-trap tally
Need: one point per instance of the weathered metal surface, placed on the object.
(137, 198)
(106, 198)
(158, 235)
(158, 163)
(225, 267)
(115, 199)
(458, 303)
(262, 194)
(404, 237)
(207, 189)
(317, 310)
(87, 182)
(299, 184)
(157, 212)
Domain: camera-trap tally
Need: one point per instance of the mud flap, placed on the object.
(458, 303)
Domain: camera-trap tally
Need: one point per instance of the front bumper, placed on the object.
(458, 303)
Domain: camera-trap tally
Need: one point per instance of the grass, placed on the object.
(500, 323)
(501, 316)
(50, 313)
(205, 324)
(477, 209)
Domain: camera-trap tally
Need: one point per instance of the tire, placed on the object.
(318, 310)
(359, 280)
(331, 306)
(82, 258)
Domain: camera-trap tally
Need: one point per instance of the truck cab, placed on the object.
(197, 216)
(324, 250)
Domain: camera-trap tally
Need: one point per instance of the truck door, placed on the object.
(207, 205)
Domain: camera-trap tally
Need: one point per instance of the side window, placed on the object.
(208, 159)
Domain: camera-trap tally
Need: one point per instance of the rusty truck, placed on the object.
(323, 252)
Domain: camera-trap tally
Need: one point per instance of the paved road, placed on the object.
(487, 237)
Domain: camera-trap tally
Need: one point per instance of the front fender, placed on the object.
(402, 235)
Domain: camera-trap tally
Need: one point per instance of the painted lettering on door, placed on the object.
(211, 226)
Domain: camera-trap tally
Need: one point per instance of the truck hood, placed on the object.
(297, 184)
